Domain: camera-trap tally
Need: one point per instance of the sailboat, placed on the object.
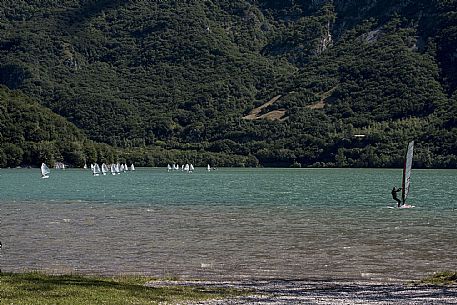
(132, 167)
(104, 169)
(191, 168)
(407, 175)
(44, 171)
(96, 170)
(113, 169)
(209, 168)
(59, 165)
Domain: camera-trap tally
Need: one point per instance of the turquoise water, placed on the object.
(229, 223)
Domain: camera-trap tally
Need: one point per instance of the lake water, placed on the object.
(229, 223)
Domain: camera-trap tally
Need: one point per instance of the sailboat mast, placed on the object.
(403, 193)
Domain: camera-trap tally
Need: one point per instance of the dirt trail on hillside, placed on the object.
(272, 115)
(324, 97)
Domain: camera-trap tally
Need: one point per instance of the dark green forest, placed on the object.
(350, 83)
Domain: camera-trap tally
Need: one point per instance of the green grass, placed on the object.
(441, 278)
(40, 288)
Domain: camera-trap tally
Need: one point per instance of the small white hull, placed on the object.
(44, 177)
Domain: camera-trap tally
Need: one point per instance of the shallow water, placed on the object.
(229, 223)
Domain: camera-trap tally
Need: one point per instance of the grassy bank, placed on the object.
(441, 278)
(39, 288)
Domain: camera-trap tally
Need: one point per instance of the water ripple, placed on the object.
(237, 223)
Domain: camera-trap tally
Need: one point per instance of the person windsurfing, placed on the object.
(394, 195)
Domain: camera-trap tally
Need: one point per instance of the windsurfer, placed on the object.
(394, 195)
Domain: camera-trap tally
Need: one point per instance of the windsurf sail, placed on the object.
(407, 172)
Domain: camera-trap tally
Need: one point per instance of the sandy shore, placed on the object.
(275, 292)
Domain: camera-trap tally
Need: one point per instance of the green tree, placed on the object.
(13, 154)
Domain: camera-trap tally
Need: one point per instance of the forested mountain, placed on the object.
(31, 133)
(241, 82)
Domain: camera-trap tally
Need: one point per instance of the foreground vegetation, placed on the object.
(40, 289)
(441, 278)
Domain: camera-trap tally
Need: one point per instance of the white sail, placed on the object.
(209, 168)
(59, 165)
(44, 171)
(168, 167)
(96, 170)
(191, 167)
(118, 168)
(407, 171)
(132, 167)
(186, 167)
(104, 169)
(113, 169)
(126, 168)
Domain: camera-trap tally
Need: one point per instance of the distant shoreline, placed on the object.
(239, 167)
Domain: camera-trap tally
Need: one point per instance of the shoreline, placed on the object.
(137, 289)
(276, 292)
